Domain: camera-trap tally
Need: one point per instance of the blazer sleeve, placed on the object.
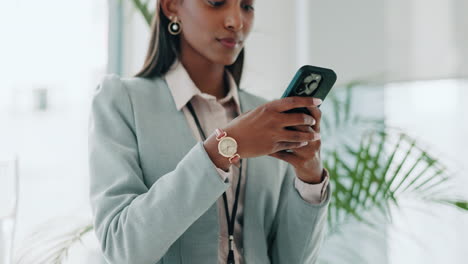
(299, 226)
(135, 223)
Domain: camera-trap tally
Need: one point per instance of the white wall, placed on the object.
(349, 37)
(391, 40)
(422, 41)
(460, 26)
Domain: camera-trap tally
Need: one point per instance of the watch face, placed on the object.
(227, 147)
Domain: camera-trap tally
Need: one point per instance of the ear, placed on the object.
(169, 7)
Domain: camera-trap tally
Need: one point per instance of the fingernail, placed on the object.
(304, 143)
(309, 120)
(316, 136)
(317, 101)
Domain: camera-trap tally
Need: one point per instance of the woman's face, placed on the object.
(215, 29)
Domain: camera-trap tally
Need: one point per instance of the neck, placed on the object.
(207, 76)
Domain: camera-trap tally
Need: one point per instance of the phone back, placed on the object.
(310, 81)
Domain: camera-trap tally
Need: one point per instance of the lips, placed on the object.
(229, 42)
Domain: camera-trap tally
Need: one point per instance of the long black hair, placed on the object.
(164, 48)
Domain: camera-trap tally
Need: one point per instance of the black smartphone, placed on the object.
(310, 81)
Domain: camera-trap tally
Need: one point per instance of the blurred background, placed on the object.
(403, 63)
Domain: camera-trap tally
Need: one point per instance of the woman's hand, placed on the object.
(306, 160)
(264, 130)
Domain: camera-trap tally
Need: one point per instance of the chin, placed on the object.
(226, 59)
(229, 61)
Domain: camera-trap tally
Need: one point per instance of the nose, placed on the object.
(234, 20)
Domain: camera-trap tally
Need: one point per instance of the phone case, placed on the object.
(310, 81)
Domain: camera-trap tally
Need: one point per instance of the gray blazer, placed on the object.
(154, 189)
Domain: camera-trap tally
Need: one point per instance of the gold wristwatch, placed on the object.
(227, 146)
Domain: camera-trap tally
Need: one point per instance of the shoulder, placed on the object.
(115, 86)
(141, 97)
(109, 90)
(115, 82)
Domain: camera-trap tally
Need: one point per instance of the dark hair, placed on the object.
(164, 48)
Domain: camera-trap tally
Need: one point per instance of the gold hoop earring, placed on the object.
(174, 27)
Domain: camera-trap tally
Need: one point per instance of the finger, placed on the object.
(280, 146)
(317, 115)
(296, 119)
(308, 150)
(303, 128)
(288, 103)
(298, 136)
(291, 158)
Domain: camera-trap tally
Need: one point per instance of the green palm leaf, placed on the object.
(373, 166)
(384, 167)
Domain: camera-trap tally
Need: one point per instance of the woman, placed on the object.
(253, 191)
